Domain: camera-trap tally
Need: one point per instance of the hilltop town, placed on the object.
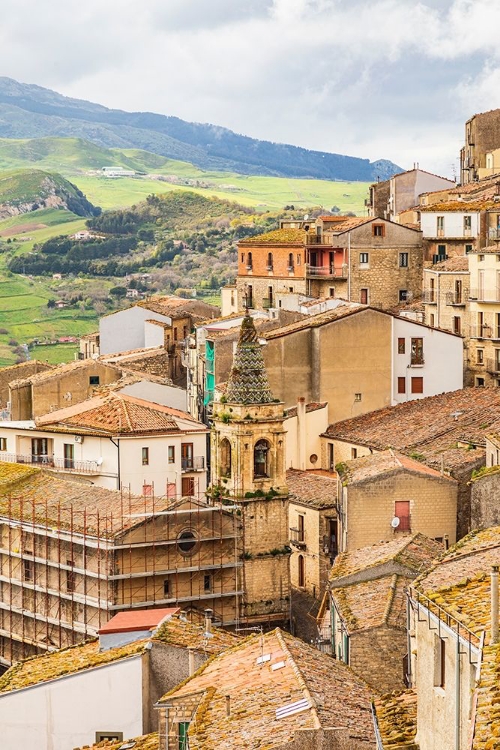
(274, 524)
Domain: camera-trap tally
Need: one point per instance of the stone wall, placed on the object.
(377, 655)
(325, 739)
(23, 370)
(485, 501)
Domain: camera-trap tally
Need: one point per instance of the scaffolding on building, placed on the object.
(66, 569)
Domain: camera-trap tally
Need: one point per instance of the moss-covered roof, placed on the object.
(369, 604)
(65, 661)
(178, 632)
(146, 742)
(286, 236)
(397, 720)
(487, 722)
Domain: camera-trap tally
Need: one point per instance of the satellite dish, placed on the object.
(99, 461)
(395, 522)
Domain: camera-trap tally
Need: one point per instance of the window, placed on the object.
(457, 323)
(401, 346)
(403, 260)
(378, 230)
(417, 385)
(402, 385)
(440, 225)
(187, 487)
(249, 296)
(166, 588)
(468, 249)
(301, 572)
(94, 380)
(183, 735)
(290, 289)
(363, 296)
(242, 257)
(331, 456)
(442, 251)
(249, 262)
(402, 511)
(417, 351)
(145, 456)
(101, 736)
(261, 459)
(332, 291)
(147, 490)
(28, 567)
(175, 334)
(186, 542)
(354, 452)
(357, 396)
(300, 528)
(480, 356)
(187, 459)
(70, 576)
(171, 454)
(439, 662)
(479, 382)
(480, 257)
(269, 261)
(432, 320)
(403, 295)
(3, 444)
(290, 261)
(207, 582)
(363, 259)
(69, 455)
(225, 458)
(467, 224)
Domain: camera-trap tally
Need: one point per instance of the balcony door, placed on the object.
(187, 455)
(40, 450)
(69, 456)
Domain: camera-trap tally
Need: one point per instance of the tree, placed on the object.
(118, 291)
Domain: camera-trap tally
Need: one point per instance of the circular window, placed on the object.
(186, 541)
(313, 458)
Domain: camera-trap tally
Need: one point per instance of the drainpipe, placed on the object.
(117, 444)
(494, 604)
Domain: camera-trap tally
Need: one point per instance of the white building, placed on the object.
(115, 441)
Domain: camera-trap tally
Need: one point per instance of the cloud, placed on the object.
(382, 79)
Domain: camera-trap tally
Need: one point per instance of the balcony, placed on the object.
(493, 366)
(485, 295)
(484, 332)
(70, 465)
(429, 297)
(326, 272)
(267, 303)
(455, 300)
(417, 361)
(494, 233)
(297, 538)
(195, 463)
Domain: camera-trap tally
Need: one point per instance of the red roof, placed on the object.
(143, 619)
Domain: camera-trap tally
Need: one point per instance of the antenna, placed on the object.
(395, 522)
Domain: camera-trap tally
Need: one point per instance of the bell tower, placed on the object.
(248, 468)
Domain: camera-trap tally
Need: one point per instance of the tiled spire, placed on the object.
(248, 382)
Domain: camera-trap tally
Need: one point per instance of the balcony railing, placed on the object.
(484, 332)
(456, 300)
(494, 233)
(327, 272)
(196, 463)
(485, 295)
(429, 296)
(417, 361)
(61, 464)
(297, 537)
(493, 366)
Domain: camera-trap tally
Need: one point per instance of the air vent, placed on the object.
(293, 708)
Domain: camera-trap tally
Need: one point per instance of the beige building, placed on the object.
(366, 619)
(313, 529)
(482, 139)
(402, 191)
(17, 372)
(446, 295)
(385, 495)
(484, 350)
(273, 691)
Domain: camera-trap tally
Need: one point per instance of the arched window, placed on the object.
(269, 261)
(301, 572)
(261, 459)
(225, 457)
(249, 261)
(290, 261)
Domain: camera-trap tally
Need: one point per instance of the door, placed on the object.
(187, 488)
(69, 456)
(186, 456)
(40, 450)
(364, 296)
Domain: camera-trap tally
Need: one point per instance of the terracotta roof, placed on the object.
(145, 742)
(330, 693)
(415, 553)
(369, 604)
(184, 634)
(59, 370)
(117, 414)
(397, 720)
(433, 426)
(142, 619)
(465, 207)
(457, 263)
(487, 727)
(65, 661)
(177, 307)
(277, 237)
(312, 406)
(315, 491)
(351, 222)
(26, 492)
(365, 468)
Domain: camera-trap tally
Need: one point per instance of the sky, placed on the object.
(378, 79)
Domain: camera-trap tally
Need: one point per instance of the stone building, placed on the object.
(366, 260)
(138, 657)
(446, 296)
(386, 495)
(18, 372)
(273, 691)
(482, 139)
(484, 310)
(402, 191)
(366, 619)
(248, 468)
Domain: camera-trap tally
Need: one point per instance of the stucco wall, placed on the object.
(124, 329)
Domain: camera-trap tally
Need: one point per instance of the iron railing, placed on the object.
(327, 271)
(62, 464)
(194, 463)
(297, 537)
(485, 295)
(454, 299)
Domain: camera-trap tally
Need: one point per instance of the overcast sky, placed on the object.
(393, 79)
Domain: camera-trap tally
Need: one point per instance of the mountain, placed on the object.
(29, 111)
(26, 190)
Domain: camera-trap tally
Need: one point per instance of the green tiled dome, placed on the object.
(248, 382)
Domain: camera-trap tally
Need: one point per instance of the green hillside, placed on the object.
(26, 190)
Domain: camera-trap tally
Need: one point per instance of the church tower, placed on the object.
(248, 468)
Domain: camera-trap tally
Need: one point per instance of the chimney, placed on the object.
(301, 434)
(191, 667)
(494, 604)
(183, 615)
(208, 620)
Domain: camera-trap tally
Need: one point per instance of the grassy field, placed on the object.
(54, 353)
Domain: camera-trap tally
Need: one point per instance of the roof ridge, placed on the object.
(390, 598)
(300, 678)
